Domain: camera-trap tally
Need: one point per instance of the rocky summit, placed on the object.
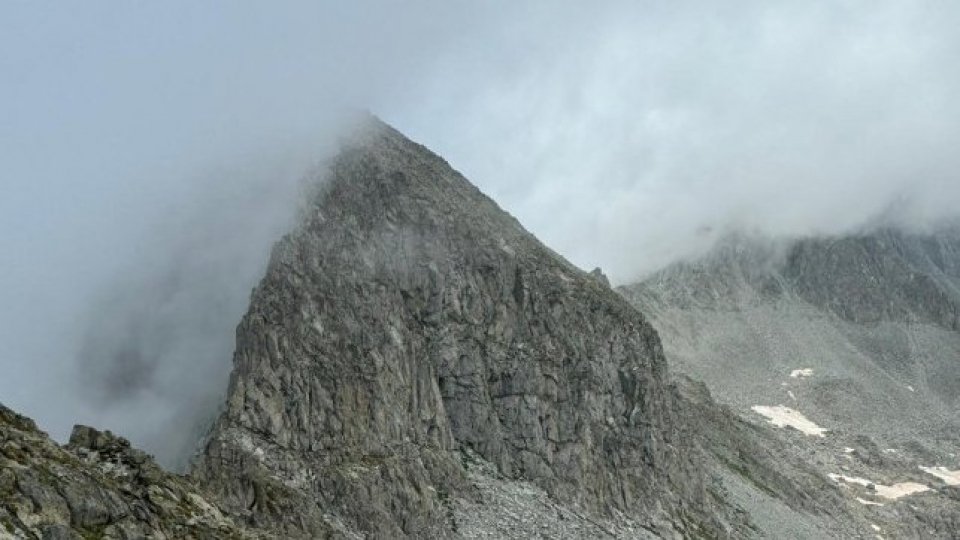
(410, 333)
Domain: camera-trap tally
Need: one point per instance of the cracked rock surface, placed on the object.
(96, 486)
(409, 319)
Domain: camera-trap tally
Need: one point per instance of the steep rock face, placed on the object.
(96, 487)
(407, 320)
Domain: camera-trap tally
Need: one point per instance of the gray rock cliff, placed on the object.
(409, 321)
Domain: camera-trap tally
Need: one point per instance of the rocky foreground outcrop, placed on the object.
(97, 486)
(409, 320)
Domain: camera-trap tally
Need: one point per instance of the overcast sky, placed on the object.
(150, 152)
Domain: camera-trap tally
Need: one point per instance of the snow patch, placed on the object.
(805, 372)
(866, 502)
(781, 416)
(892, 493)
(950, 478)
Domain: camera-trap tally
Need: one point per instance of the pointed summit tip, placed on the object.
(369, 149)
(364, 128)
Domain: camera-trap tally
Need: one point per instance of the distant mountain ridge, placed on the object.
(886, 274)
(854, 338)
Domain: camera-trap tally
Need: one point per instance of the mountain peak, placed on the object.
(409, 323)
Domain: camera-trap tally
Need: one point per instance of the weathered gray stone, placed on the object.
(53, 492)
(407, 319)
(416, 364)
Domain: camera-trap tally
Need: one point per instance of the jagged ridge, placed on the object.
(97, 486)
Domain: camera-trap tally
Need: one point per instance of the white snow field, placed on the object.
(781, 416)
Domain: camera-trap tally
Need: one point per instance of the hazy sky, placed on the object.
(149, 153)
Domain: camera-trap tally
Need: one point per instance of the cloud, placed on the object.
(644, 125)
(149, 154)
(154, 354)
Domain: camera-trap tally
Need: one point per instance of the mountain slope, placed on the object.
(409, 320)
(415, 364)
(857, 334)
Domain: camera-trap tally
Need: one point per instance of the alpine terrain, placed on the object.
(850, 343)
(415, 364)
